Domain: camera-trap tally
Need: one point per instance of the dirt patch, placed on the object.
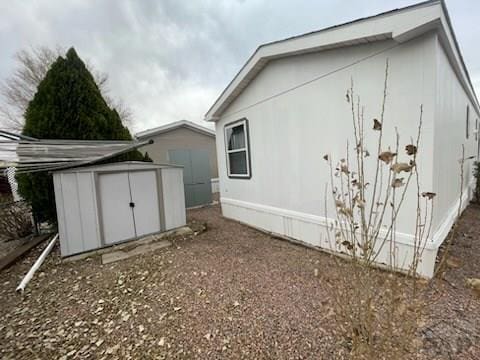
(228, 292)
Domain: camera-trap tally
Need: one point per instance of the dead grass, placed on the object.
(230, 292)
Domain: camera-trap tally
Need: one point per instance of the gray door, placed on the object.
(144, 193)
(196, 175)
(116, 213)
(129, 205)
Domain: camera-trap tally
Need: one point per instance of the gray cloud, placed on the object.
(169, 60)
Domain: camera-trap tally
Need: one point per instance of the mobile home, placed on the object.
(287, 107)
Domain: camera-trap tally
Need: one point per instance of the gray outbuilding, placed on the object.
(102, 205)
(192, 146)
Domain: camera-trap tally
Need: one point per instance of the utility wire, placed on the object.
(311, 80)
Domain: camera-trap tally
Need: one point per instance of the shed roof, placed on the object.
(175, 125)
(399, 25)
(120, 166)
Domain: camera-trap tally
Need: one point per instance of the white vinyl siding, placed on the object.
(467, 123)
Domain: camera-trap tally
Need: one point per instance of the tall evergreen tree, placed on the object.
(67, 105)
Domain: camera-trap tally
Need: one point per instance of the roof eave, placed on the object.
(173, 126)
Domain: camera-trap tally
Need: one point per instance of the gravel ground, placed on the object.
(228, 293)
(453, 331)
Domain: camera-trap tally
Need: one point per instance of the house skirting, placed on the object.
(215, 185)
(311, 230)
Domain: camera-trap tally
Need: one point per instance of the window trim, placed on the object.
(244, 122)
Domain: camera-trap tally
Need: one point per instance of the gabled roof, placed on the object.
(399, 25)
(175, 125)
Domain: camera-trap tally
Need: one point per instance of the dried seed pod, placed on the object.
(387, 156)
(411, 149)
(399, 167)
(357, 200)
(346, 211)
(429, 195)
(361, 203)
(347, 244)
(398, 182)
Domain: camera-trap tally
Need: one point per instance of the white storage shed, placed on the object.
(98, 206)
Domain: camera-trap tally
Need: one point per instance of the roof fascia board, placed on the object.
(173, 126)
(452, 49)
(449, 43)
(207, 132)
(458, 70)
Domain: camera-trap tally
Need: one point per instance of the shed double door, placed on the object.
(196, 175)
(129, 205)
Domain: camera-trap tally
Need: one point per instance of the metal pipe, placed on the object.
(35, 159)
(20, 136)
(106, 157)
(38, 263)
(7, 136)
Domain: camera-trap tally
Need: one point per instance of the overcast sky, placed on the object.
(170, 59)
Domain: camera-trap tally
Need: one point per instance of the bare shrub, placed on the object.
(380, 312)
(378, 317)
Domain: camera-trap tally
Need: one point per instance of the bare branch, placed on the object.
(32, 65)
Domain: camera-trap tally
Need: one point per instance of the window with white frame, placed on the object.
(237, 148)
